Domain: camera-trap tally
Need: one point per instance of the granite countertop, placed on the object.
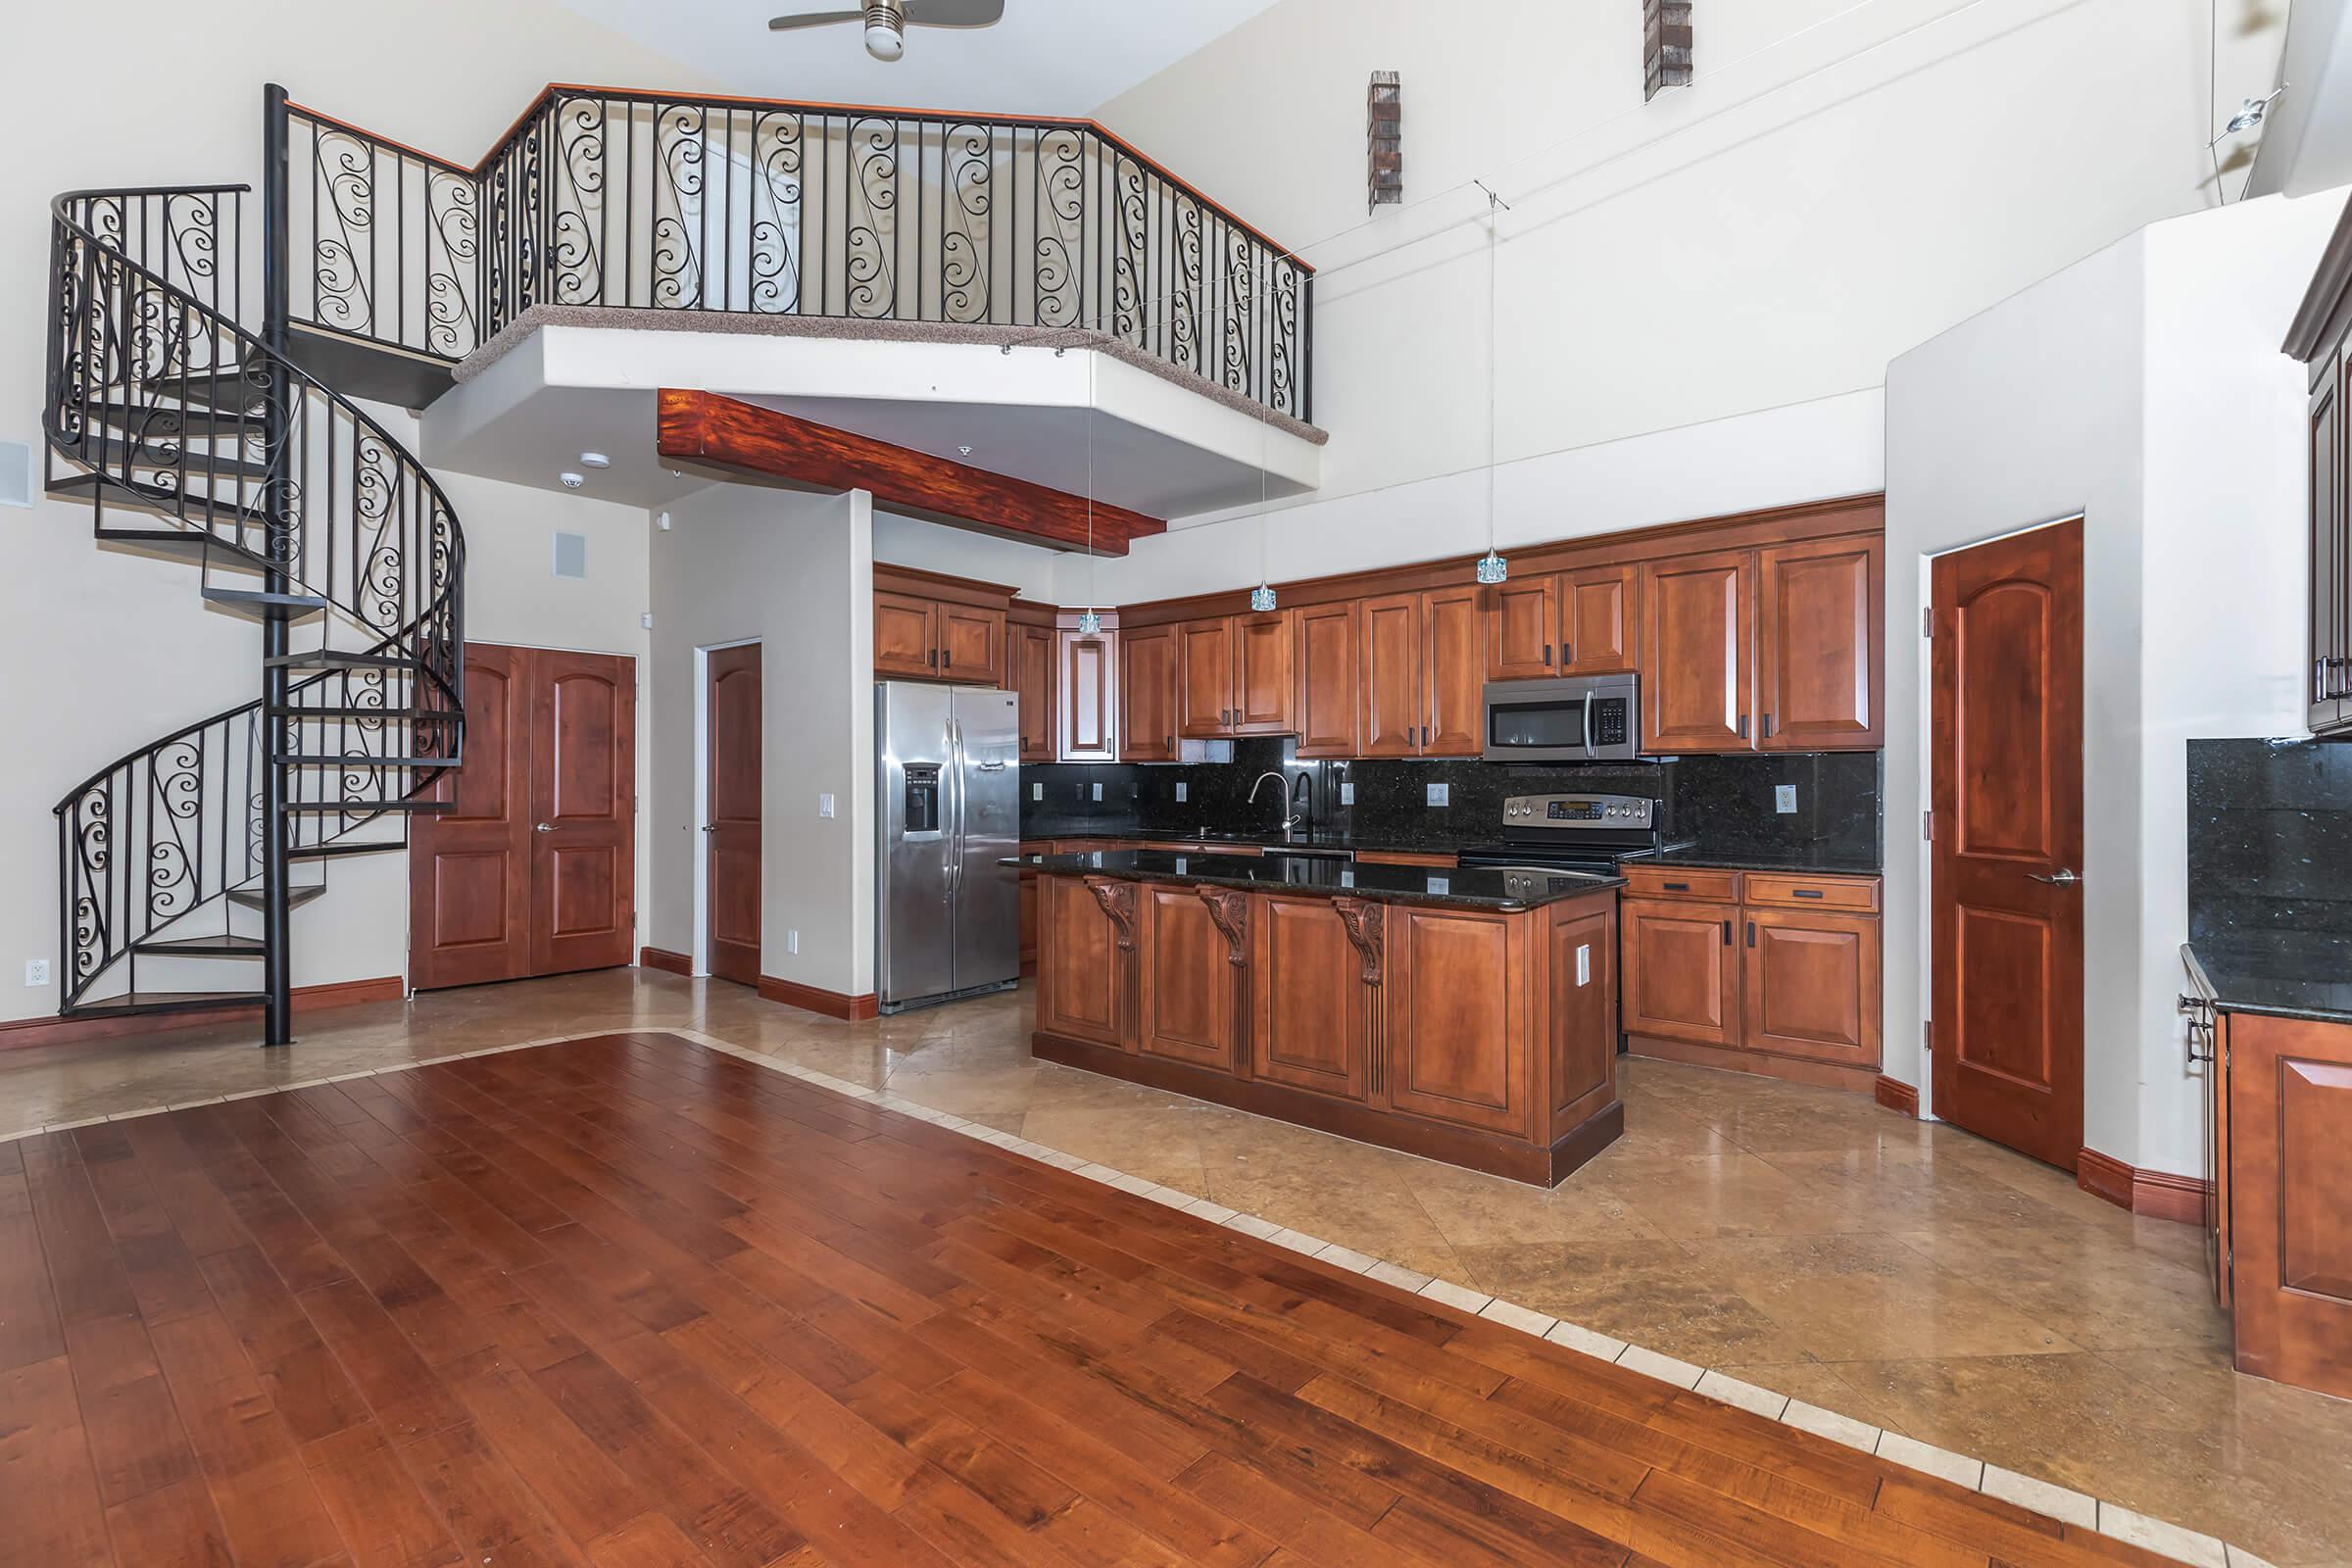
(1331, 878)
(2284, 975)
(1798, 859)
(1320, 839)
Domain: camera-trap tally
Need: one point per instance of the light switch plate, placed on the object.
(792, 942)
(1180, 790)
(1440, 794)
(824, 806)
(1584, 964)
(1098, 792)
(1347, 792)
(1784, 798)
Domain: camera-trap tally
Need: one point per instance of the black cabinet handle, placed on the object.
(1768, 726)
(1727, 933)
(1547, 656)
(934, 658)
(1751, 933)
(1806, 893)
(1677, 887)
(1567, 654)
(1743, 727)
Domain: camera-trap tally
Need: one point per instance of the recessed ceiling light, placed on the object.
(595, 460)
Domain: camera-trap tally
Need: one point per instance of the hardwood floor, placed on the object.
(625, 1301)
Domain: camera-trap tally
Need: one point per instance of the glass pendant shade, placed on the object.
(1492, 567)
(1261, 598)
(1089, 624)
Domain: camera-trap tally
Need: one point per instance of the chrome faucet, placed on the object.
(1288, 822)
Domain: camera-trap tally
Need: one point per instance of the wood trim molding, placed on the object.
(2310, 334)
(21, 1032)
(815, 998)
(914, 581)
(1896, 1096)
(1747, 530)
(1736, 1059)
(667, 962)
(735, 438)
(1031, 612)
(2149, 1194)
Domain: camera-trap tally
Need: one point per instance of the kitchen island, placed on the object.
(1468, 1016)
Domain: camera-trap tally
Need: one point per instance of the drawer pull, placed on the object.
(1727, 933)
(1805, 893)
(1677, 887)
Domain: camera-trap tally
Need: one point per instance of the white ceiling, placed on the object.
(1047, 57)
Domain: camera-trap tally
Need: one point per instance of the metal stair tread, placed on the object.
(196, 419)
(327, 851)
(287, 607)
(360, 759)
(345, 710)
(114, 452)
(296, 897)
(207, 947)
(137, 1001)
(369, 808)
(336, 658)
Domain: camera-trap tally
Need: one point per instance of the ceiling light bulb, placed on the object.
(884, 41)
(595, 460)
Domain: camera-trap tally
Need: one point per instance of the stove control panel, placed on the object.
(1567, 812)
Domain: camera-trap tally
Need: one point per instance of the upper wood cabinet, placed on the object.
(1149, 682)
(1204, 664)
(1599, 612)
(1454, 633)
(906, 635)
(1523, 628)
(1390, 672)
(971, 644)
(1324, 708)
(1236, 674)
(1821, 644)
(1086, 696)
(936, 627)
(1034, 683)
(1698, 637)
(1421, 671)
(2327, 681)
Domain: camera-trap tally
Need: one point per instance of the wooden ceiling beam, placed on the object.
(733, 438)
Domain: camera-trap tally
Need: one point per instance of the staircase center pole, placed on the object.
(277, 1005)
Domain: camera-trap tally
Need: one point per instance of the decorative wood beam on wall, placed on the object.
(732, 438)
(1665, 45)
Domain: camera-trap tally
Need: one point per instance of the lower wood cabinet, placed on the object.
(1308, 1007)
(1085, 987)
(1776, 974)
(1449, 1006)
(1189, 982)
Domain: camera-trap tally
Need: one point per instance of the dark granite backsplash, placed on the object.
(1724, 803)
(2269, 840)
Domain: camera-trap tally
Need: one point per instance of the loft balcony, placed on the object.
(980, 287)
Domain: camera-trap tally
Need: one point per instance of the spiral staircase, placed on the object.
(194, 437)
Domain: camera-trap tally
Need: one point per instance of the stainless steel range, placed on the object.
(1588, 833)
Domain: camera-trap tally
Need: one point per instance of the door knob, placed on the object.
(708, 827)
(2062, 877)
(545, 827)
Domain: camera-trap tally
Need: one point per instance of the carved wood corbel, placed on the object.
(1365, 926)
(1229, 907)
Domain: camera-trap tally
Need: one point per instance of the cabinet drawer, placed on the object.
(1681, 882)
(1856, 892)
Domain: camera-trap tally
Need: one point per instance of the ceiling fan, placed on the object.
(887, 21)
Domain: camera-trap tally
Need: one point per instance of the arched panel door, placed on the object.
(583, 807)
(732, 830)
(469, 870)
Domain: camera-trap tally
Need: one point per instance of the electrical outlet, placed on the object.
(824, 806)
(792, 942)
(1784, 798)
(1441, 794)
(1098, 792)
(1584, 964)
(1347, 792)
(1180, 791)
(36, 971)
(1037, 792)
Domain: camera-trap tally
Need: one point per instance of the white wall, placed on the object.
(107, 651)
(794, 572)
(2143, 389)
(961, 553)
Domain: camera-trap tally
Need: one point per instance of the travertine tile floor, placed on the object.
(1904, 1273)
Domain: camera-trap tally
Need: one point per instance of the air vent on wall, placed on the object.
(16, 474)
(571, 555)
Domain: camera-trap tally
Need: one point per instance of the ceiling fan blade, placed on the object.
(954, 12)
(812, 18)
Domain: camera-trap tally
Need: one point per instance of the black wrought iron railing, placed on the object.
(604, 196)
(298, 505)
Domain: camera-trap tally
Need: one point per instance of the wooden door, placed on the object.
(1523, 628)
(1455, 653)
(1390, 665)
(1147, 681)
(906, 635)
(1204, 677)
(1698, 630)
(1306, 1012)
(1188, 980)
(1086, 990)
(1263, 648)
(1809, 986)
(2330, 510)
(971, 644)
(1325, 713)
(1822, 645)
(1599, 611)
(2290, 1232)
(583, 807)
(470, 871)
(1680, 974)
(1456, 1026)
(1086, 698)
(731, 824)
(1033, 683)
(2006, 786)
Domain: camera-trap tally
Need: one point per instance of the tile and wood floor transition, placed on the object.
(630, 1300)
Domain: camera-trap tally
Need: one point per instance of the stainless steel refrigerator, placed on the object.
(948, 914)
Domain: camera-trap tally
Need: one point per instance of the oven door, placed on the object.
(1584, 721)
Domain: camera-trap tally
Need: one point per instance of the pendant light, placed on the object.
(1090, 623)
(1261, 596)
(1492, 567)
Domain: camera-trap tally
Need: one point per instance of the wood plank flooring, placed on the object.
(627, 1301)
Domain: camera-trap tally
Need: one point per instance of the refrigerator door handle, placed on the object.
(963, 789)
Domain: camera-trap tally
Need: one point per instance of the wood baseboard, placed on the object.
(22, 1033)
(1896, 1096)
(1792, 1069)
(815, 998)
(2149, 1194)
(667, 962)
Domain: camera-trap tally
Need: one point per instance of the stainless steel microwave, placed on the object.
(1581, 718)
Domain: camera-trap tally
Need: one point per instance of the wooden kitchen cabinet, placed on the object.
(1698, 638)
(1451, 1018)
(1600, 609)
(1421, 670)
(1454, 642)
(1027, 907)
(1088, 987)
(2328, 683)
(1034, 684)
(931, 626)
(1086, 695)
(1523, 628)
(1150, 679)
(1681, 973)
(971, 644)
(1390, 677)
(1189, 982)
(1821, 642)
(1307, 1016)
(1324, 708)
(1810, 987)
(906, 635)
(1236, 675)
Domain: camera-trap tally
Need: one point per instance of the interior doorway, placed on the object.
(731, 813)
(2006, 789)
(534, 870)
